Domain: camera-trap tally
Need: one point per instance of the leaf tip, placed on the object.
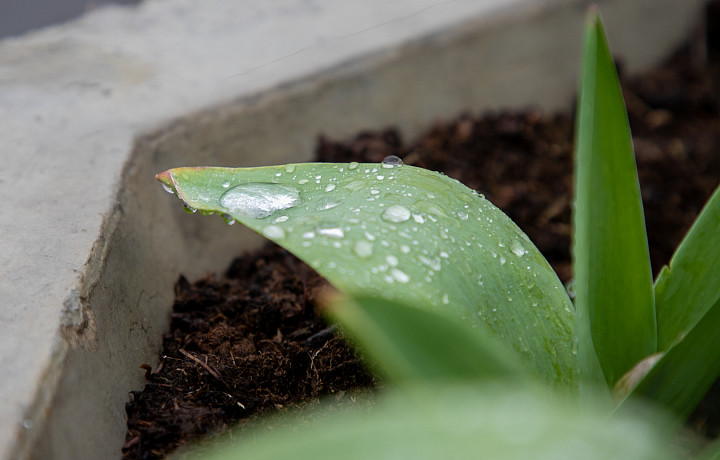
(627, 382)
(593, 12)
(164, 177)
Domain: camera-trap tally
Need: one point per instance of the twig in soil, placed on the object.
(321, 337)
(212, 371)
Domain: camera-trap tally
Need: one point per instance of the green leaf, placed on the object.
(410, 344)
(407, 234)
(685, 290)
(711, 452)
(491, 422)
(613, 279)
(684, 373)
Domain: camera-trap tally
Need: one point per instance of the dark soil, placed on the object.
(252, 341)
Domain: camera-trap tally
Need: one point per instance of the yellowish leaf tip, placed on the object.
(164, 177)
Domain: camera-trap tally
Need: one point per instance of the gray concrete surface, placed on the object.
(90, 245)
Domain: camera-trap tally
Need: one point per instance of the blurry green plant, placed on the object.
(441, 289)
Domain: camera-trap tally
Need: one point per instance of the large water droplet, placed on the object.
(290, 169)
(330, 187)
(391, 161)
(259, 199)
(396, 214)
(392, 260)
(353, 165)
(167, 188)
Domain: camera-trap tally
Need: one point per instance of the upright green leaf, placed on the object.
(689, 286)
(613, 280)
(409, 344)
(402, 233)
(684, 373)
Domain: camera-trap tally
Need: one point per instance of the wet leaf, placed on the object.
(402, 233)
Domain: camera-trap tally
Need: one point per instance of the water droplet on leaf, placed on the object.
(228, 219)
(326, 203)
(396, 214)
(363, 249)
(391, 161)
(355, 185)
(259, 199)
(273, 231)
(434, 264)
(334, 232)
(399, 275)
(517, 248)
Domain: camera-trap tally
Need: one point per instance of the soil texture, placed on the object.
(252, 341)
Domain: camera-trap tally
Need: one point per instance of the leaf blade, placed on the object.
(454, 422)
(403, 233)
(613, 282)
(685, 372)
(688, 287)
(411, 344)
